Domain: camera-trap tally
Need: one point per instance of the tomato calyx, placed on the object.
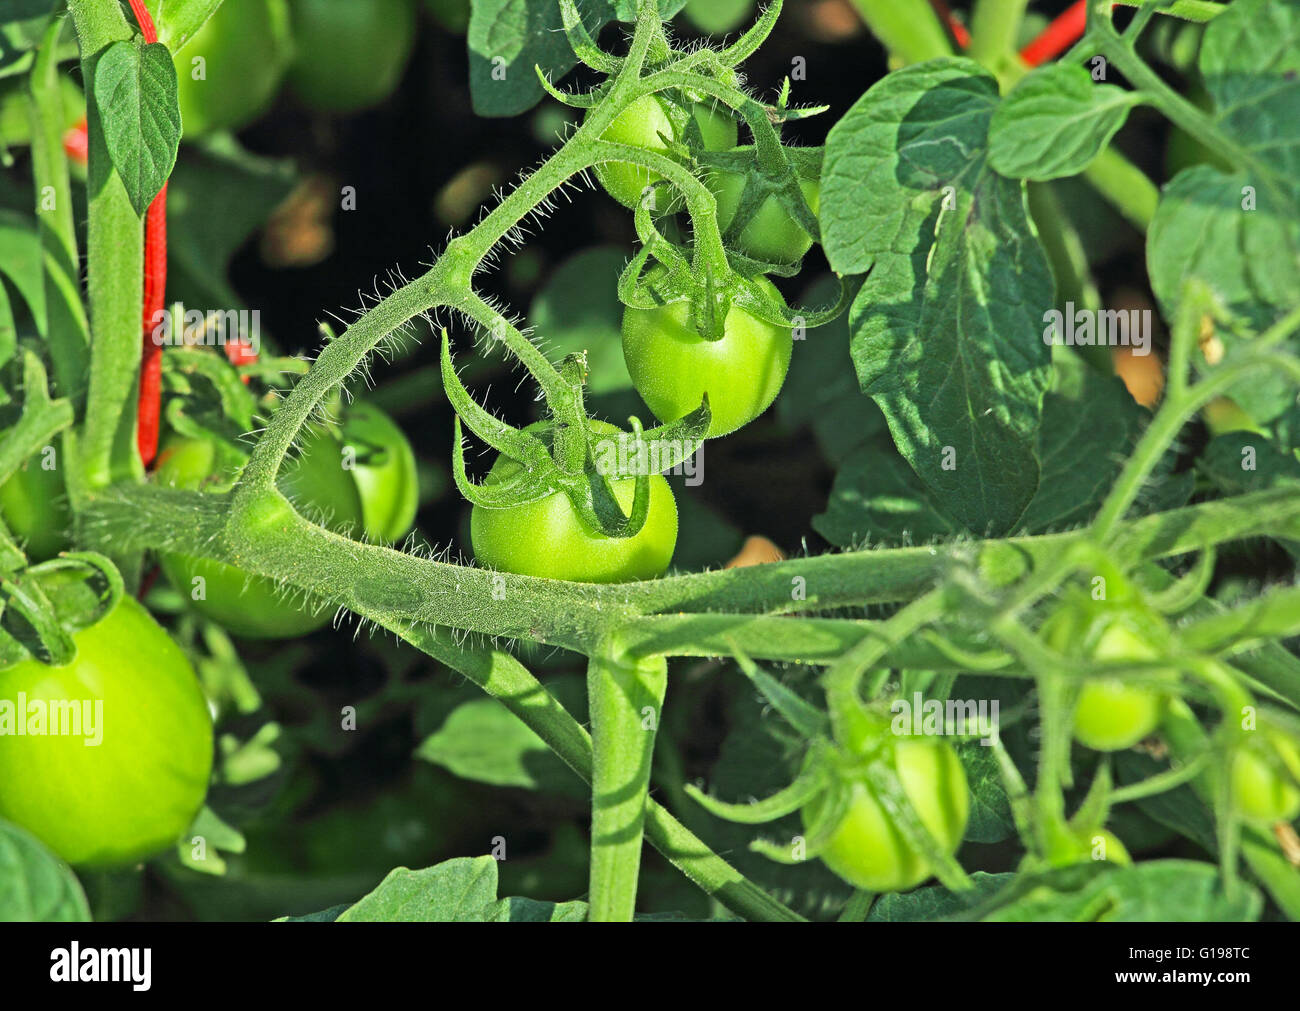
(568, 454)
(44, 605)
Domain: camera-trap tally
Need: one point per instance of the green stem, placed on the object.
(909, 29)
(993, 29)
(626, 700)
(1125, 186)
(115, 265)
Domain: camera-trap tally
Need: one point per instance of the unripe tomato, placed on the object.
(549, 539)
(772, 235)
(868, 850)
(241, 54)
(34, 505)
(248, 605)
(1111, 715)
(348, 54)
(644, 124)
(385, 473)
(1099, 844)
(140, 787)
(672, 366)
(1266, 778)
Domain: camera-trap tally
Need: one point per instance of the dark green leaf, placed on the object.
(990, 810)
(459, 890)
(936, 902)
(483, 741)
(1169, 891)
(35, 885)
(1090, 424)
(135, 90)
(20, 262)
(1250, 62)
(947, 329)
(877, 499)
(1206, 228)
(1054, 122)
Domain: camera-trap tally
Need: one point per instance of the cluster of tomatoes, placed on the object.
(673, 366)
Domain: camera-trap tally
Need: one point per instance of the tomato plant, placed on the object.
(1020, 643)
(132, 781)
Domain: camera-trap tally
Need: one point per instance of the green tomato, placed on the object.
(549, 539)
(672, 366)
(34, 505)
(248, 605)
(1099, 844)
(868, 850)
(238, 58)
(385, 473)
(1111, 715)
(1266, 779)
(350, 55)
(645, 124)
(772, 234)
(139, 788)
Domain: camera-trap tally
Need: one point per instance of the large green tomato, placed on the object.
(350, 54)
(548, 539)
(134, 792)
(34, 505)
(384, 470)
(252, 606)
(238, 58)
(772, 234)
(1266, 778)
(672, 366)
(645, 124)
(868, 850)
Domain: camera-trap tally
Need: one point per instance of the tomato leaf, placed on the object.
(483, 741)
(1170, 891)
(20, 262)
(1090, 425)
(1054, 122)
(947, 328)
(935, 901)
(877, 499)
(35, 885)
(135, 90)
(1250, 62)
(1244, 242)
(508, 38)
(178, 21)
